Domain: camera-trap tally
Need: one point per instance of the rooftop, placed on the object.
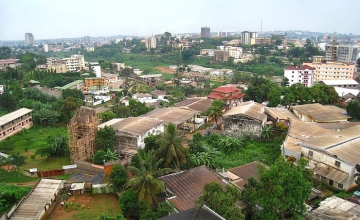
(13, 115)
(226, 89)
(340, 82)
(198, 104)
(198, 213)
(304, 67)
(132, 125)
(33, 205)
(335, 208)
(150, 76)
(344, 91)
(68, 86)
(280, 113)
(174, 115)
(320, 113)
(188, 185)
(158, 92)
(251, 109)
(244, 172)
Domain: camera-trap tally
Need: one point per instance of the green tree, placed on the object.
(353, 109)
(267, 132)
(274, 97)
(222, 201)
(105, 138)
(151, 142)
(119, 177)
(106, 116)
(5, 52)
(145, 181)
(131, 206)
(172, 149)
(118, 216)
(70, 106)
(7, 101)
(285, 82)
(99, 157)
(280, 191)
(215, 114)
(75, 93)
(58, 146)
(17, 160)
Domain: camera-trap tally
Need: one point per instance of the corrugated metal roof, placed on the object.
(280, 113)
(330, 172)
(251, 109)
(67, 86)
(336, 125)
(188, 185)
(245, 172)
(340, 82)
(198, 104)
(134, 125)
(320, 113)
(171, 114)
(13, 115)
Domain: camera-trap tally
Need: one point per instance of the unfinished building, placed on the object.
(82, 133)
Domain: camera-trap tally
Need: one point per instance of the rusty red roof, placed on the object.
(245, 172)
(188, 185)
(227, 89)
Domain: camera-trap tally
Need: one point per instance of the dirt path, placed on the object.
(165, 69)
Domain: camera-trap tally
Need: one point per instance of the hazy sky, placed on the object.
(76, 18)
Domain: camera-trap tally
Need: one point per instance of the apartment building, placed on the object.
(300, 74)
(14, 122)
(150, 42)
(234, 51)
(73, 64)
(332, 70)
(342, 52)
(95, 81)
(260, 41)
(247, 35)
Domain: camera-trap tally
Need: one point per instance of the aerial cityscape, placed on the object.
(113, 110)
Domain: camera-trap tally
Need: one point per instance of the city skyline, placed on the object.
(68, 19)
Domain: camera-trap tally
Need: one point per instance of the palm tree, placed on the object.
(215, 113)
(172, 149)
(267, 132)
(145, 181)
(17, 160)
(5, 161)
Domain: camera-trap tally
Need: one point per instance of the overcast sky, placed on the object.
(76, 18)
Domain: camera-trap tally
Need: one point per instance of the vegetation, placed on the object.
(281, 191)
(222, 201)
(10, 195)
(105, 138)
(119, 177)
(353, 109)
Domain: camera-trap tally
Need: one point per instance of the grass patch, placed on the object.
(13, 177)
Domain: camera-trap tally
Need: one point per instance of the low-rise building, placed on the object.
(241, 174)
(332, 70)
(221, 55)
(207, 52)
(350, 83)
(15, 122)
(95, 81)
(74, 63)
(230, 95)
(150, 79)
(7, 63)
(131, 132)
(319, 113)
(300, 74)
(260, 41)
(247, 118)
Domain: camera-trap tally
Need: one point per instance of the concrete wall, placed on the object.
(89, 167)
(239, 125)
(51, 92)
(125, 140)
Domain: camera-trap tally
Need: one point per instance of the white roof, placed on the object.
(111, 122)
(151, 75)
(13, 115)
(344, 91)
(340, 82)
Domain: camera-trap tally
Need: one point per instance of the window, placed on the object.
(337, 163)
(340, 185)
(331, 182)
(311, 153)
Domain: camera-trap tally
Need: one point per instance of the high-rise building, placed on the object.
(29, 39)
(247, 35)
(150, 42)
(86, 39)
(300, 74)
(205, 32)
(46, 47)
(342, 53)
(223, 34)
(332, 70)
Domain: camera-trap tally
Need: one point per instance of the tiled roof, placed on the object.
(245, 172)
(214, 95)
(304, 67)
(227, 89)
(188, 185)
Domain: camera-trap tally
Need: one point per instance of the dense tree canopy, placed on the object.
(105, 138)
(119, 177)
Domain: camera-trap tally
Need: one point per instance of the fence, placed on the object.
(102, 188)
(50, 173)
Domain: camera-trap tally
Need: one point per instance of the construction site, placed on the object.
(82, 133)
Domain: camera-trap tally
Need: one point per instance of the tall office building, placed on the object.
(29, 39)
(205, 32)
(223, 34)
(86, 39)
(342, 53)
(246, 36)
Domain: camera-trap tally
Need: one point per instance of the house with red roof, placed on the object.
(300, 74)
(230, 95)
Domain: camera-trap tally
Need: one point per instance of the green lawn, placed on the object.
(28, 141)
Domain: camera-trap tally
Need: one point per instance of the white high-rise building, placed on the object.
(343, 53)
(29, 39)
(300, 74)
(247, 35)
(46, 47)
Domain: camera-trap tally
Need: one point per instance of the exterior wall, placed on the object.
(332, 70)
(23, 122)
(97, 70)
(305, 77)
(239, 125)
(343, 53)
(329, 160)
(304, 118)
(287, 153)
(95, 81)
(205, 32)
(246, 36)
(260, 41)
(150, 42)
(221, 55)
